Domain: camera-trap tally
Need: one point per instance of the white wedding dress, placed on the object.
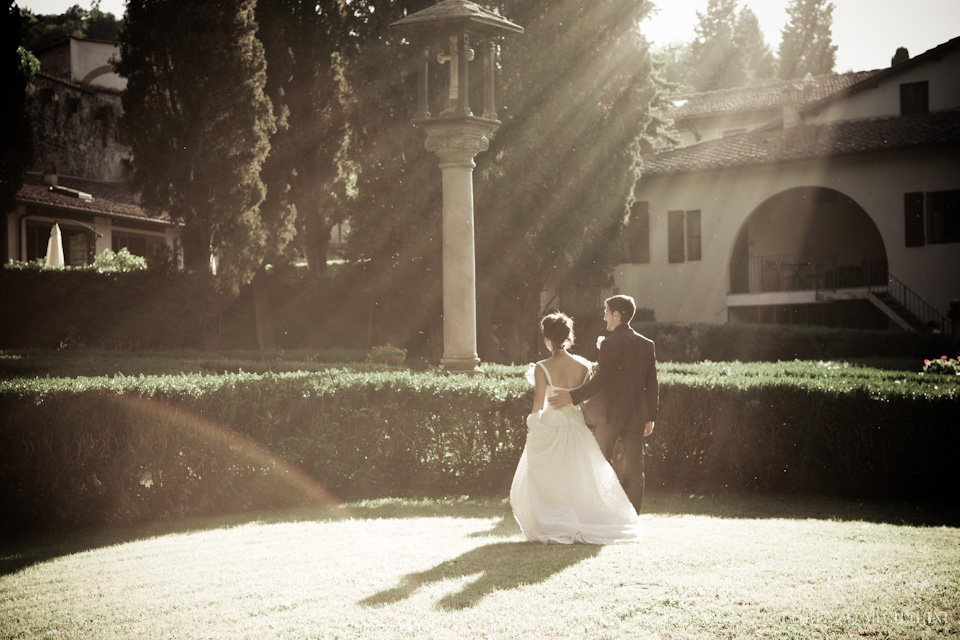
(564, 490)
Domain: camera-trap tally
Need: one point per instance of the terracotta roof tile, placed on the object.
(809, 141)
(763, 96)
(111, 199)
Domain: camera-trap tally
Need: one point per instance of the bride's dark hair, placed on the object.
(558, 328)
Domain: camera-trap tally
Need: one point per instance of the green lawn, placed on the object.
(729, 566)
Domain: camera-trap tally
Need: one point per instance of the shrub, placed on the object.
(942, 366)
(122, 261)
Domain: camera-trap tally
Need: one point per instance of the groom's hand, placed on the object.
(560, 400)
(648, 430)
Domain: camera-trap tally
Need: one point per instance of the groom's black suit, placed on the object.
(627, 375)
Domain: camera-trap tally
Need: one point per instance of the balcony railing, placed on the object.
(892, 289)
(823, 272)
(826, 271)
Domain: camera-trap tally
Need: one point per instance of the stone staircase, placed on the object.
(896, 311)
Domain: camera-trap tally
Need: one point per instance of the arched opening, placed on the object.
(808, 256)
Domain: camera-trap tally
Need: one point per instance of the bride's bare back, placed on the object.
(566, 371)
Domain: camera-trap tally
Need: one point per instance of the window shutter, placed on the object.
(638, 234)
(675, 236)
(693, 235)
(913, 219)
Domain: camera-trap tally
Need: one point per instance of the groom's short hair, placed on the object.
(624, 305)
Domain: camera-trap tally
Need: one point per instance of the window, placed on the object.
(76, 247)
(913, 219)
(943, 216)
(637, 236)
(38, 233)
(77, 243)
(149, 247)
(675, 236)
(693, 235)
(914, 98)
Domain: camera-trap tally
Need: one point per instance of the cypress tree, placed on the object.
(716, 62)
(305, 168)
(807, 44)
(760, 63)
(199, 121)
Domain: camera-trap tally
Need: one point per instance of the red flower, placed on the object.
(926, 362)
(943, 357)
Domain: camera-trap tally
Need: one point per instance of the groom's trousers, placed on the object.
(631, 469)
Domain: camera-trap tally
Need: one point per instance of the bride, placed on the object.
(564, 490)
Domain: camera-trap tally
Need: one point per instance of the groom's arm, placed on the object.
(591, 387)
(653, 387)
(605, 365)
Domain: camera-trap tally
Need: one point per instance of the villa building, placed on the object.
(79, 178)
(829, 201)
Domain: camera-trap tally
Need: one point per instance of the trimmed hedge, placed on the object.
(87, 451)
(123, 449)
(682, 342)
(49, 309)
(156, 310)
(160, 310)
(813, 428)
(106, 362)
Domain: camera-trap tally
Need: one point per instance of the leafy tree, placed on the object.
(748, 38)
(551, 193)
(15, 65)
(807, 44)
(672, 60)
(100, 25)
(303, 171)
(305, 168)
(394, 241)
(199, 124)
(716, 60)
(75, 21)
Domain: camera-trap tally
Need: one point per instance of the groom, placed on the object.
(627, 374)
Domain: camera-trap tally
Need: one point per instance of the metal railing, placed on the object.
(800, 272)
(831, 271)
(929, 318)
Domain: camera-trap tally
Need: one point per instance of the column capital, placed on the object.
(457, 143)
(458, 138)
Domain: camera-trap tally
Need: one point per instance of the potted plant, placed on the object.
(388, 354)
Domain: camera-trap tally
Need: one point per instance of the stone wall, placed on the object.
(78, 129)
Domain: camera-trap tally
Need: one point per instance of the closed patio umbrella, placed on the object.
(55, 248)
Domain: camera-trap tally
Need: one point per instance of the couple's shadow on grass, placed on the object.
(494, 567)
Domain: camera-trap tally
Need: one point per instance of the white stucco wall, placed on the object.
(883, 99)
(90, 63)
(696, 291)
(715, 127)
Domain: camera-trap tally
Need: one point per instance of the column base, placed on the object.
(468, 366)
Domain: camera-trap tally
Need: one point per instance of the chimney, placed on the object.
(790, 100)
(50, 173)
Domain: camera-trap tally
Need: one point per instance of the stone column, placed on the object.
(456, 143)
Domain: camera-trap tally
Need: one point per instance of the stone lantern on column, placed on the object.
(455, 33)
